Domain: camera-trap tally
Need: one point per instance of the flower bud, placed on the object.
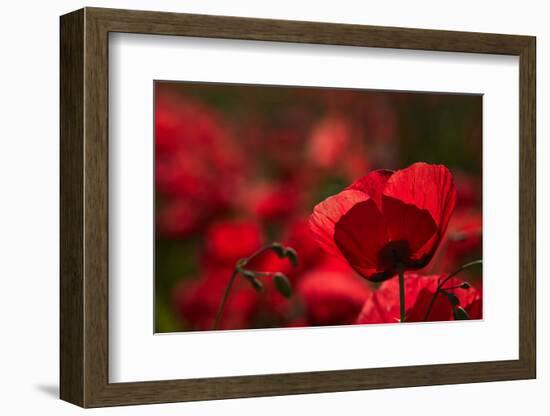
(282, 284)
(278, 249)
(452, 298)
(460, 314)
(292, 256)
(257, 285)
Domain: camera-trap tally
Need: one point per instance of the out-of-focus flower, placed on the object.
(300, 238)
(271, 201)
(197, 163)
(310, 255)
(332, 297)
(229, 241)
(382, 305)
(468, 190)
(474, 306)
(464, 238)
(328, 141)
(196, 301)
(387, 220)
(178, 217)
(335, 147)
(280, 148)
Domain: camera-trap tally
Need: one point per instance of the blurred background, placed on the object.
(238, 166)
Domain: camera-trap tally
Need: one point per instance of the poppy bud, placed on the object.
(465, 285)
(282, 284)
(279, 250)
(248, 274)
(460, 314)
(292, 256)
(257, 285)
(452, 298)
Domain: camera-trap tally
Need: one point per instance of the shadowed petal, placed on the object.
(429, 188)
(405, 222)
(360, 235)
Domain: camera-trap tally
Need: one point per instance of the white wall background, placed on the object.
(29, 207)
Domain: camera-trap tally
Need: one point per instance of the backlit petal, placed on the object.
(327, 213)
(373, 184)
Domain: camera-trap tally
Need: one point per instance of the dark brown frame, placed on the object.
(84, 207)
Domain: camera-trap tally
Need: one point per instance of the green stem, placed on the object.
(441, 284)
(224, 299)
(241, 264)
(460, 269)
(402, 294)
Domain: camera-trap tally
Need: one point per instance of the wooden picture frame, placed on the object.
(84, 207)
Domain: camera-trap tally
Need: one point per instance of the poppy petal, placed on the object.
(407, 223)
(360, 234)
(425, 186)
(429, 188)
(373, 184)
(327, 213)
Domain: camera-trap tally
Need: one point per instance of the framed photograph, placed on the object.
(254, 207)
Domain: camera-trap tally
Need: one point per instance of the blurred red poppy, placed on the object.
(196, 301)
(382, 306)
(229, 241)
(336, 146)
(328, 141)
(197, 165)
(462, 242)
(387, 220)
(468, 190)
(178, 217)
(332, 297)
(464, 237)
(276, 202)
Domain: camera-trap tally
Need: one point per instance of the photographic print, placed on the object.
(283, 206)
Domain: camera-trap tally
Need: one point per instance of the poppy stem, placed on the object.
(401, 274)
(240, 268)
(441, 284)
(219, 313)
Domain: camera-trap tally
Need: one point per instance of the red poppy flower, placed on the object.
(229, 241)
(463, 238)
(328, 141)
(468, 190)
(332, 297)
(197, 164)
(382, 306)
(179, 217)
(273, 202)
(196, 301)
(387, 220)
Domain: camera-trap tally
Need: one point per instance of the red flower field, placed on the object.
(377, 195)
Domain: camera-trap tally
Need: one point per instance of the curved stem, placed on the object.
(264, 274)
(219, 313)
(238, 269)
(258, 252)
(402, 295)
(460, 269)
(441, 284)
